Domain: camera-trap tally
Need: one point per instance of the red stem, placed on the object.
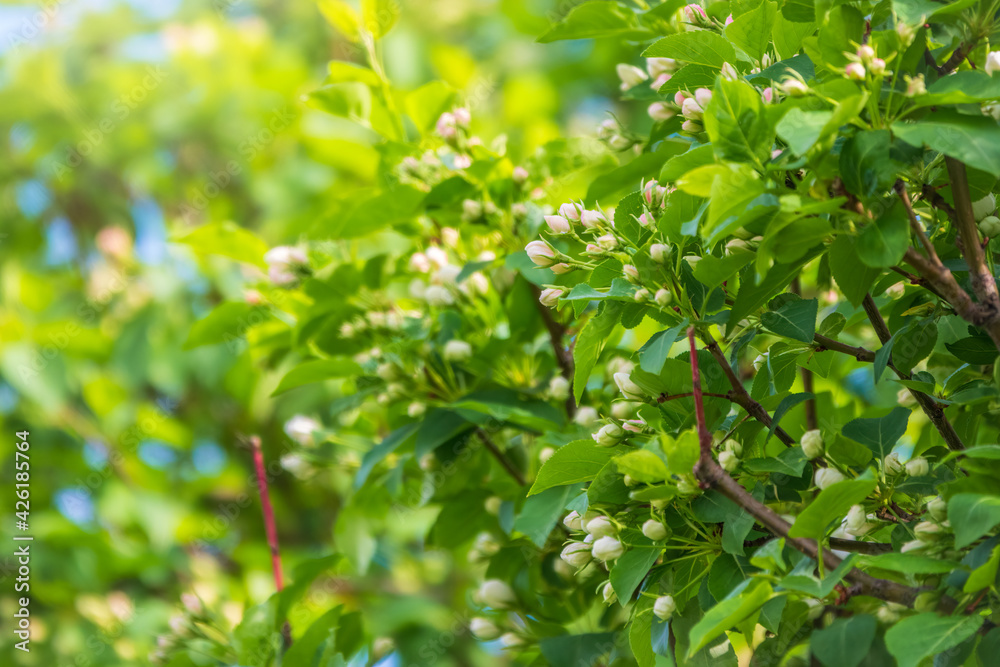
(265, 503)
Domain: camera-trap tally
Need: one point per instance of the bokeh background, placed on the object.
(123, 127)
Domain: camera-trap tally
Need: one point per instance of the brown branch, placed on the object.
(739, 394)
(954, 60)
(711, 475)
(983, 284)
(484, 437)
(915, 225)
(564, 357)
(854, 546)
(270, 527)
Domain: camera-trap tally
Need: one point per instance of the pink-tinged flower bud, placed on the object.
(607, 128)
(661, 111)
(694, 14)
(703, 96)
(594, 250)
(729, 72)
(541, 253)
(520, 175)
(550, 297)
(641, 295)
(446, 126)
(679, 98)
(646, 219)
(557, 224)
(866, 53)
(630, 75)
(855, 71)
(570, 211)
(607, 241)
(659, 66)
(590, 218)
(631, 272)
(915, 85)
(992, 62)
(691, 109)
(462, 116)
(767, 95)
(634, 425)
(462, 161)
(877, 67)
(660, 81)
(648, 192)
(561, 268)
(729, 20)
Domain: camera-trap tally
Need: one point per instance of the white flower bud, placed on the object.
(912, 545)
(992, 62)
(664, 607)
(438, 295)
(484, 629)
(628, 388)
(892, 464)
(663, 297)
(608, 593)
(608, 435)
(590, 218)
(915, 85)
(577, 554)
(905, 398)
(510, 640)
(416, 409)
(486, 544)
(641, 295)
(938, 508)
(886, 615)
(660, 253)
(495, 593)
(492, 505)
(631, 273)
(827, 476)
(658, 66)
(990, 225)
(984, 207)
(793, 87)
(877, 67)
(729, 72)
(654, 530)
(457, 351)
(559, 388)
(607, 548)
(729, 461)
(855, 71)
(917, 467)
(192, 604)
(733, 446)
(928, 531)
(661, 111)
(573, 521)
(857, 521)
(812, 444)
(600, 527)
(520, 175)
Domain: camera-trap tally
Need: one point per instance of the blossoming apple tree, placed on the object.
(733, 404)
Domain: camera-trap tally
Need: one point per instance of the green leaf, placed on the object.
(540, 513)
(879, 434)
(351, 100)
(972, 515)
(787, 403)
(741, 603)
(853, 277)
(914, 344)
(977, 350)
(354, 536)
(317, 370)
(795, 320)
(642, 167)
(845, 642)
(362, 215)
(984, 575)
(866, 163)
(791, 462)
(690, 77)
(802, 129)
(736, 123)
(228, 323)
(788, 35)
(644, 466)
(377, 454)
(699, 47)
(654, 353)
(589, 344)
(681, 164)
(577, 461)
(379, 16)
(576, 649)
(975, 140)
(908, 563)
(426, 104)
(322, 630)
(629, 570)
(437, 428)
(917, 637)
(830, 505)
(882, 243)
(227, 239)
(595, 20)
(752, 31)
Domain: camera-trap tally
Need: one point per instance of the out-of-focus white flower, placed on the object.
(446, 126)
(892, 464)
(630, 75)
(981, 208)
(585, 415)
(917, 467)
(661, 111)
(793, 87)
(628, 388)
(510, 640)
(812, 444)
(420, 263)
(301, 429)
(462, 116)
(992, 62)
(416, 409)
(658, 66)
(450, 236)
(729, 461)
(457, 351)
(495, 593)
(938, 508)
(654, 530)
(484, 629)
(520, 175)
(546, 454)
(855, 71)
(559, 388)
(906, 398)
(437, 257)
(928, 531)
(664, 607)
(826, 477)
(492, 505)
(914, 85)
(437, 295)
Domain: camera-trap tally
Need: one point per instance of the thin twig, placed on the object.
(270, 527)
(484, 437)
(564, 357)
(915, 225)
(812, 422)
(983, 283)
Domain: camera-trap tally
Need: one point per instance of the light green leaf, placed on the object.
(589, 344)
(629, 570)
(227, 239)
(644, 466)
(379, 16)
(228, 323)
(985, 575)
(853, 278)
(752, 31)
(802, 129)
(908, 563)
(699, 47)
(595, 20)
(845, 642)
(736, 123)
(577, 461)
(917, 637)
(541, 512)
(316, 370)
(830, 505)
(975, 140)
(879, 434)
(795, 320)
(426, 104)
(882, 243)
(743, 601)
